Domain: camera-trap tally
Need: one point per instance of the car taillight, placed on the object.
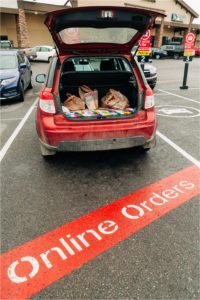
(46, 103)
(149, 99)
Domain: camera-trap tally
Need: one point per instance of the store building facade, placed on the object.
(23, 21)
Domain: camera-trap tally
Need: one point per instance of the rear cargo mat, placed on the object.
(98, 113)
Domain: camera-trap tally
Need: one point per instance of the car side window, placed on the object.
(44, 49)
(21, 59)
(26, 60)
(18, 59)
(127, 67)
(117, 64)
(51, 73)
(38, 49)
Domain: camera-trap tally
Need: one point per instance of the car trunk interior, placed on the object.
(101, 74)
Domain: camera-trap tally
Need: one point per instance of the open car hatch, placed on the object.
(99, 29)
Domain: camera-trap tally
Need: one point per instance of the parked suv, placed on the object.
(15, 74)
(102, 39)
(158, 53)
(150, 72)
(174, 51)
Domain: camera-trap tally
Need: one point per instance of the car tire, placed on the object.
(46, 153)
(157, 56)
(145, 150)
(30, 86)
(153, 86)
(176, 56)
(49, 59)
(21, 92)
(149, 145)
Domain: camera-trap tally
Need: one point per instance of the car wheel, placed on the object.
(157, 56)
(21, 92)
(176, 56)
(144, 150)
(30, 86)
(46, 152)
(152, 86)
(149, 145)
(49, 59)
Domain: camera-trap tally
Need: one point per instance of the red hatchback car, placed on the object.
(94, 45)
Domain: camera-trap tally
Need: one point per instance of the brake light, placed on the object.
(107, 14)
(46, 103)
(149, 99)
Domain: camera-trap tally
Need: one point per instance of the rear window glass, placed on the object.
(97, 35)
(96, 64)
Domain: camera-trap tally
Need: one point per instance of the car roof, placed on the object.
(138, 21)
(47, 46)
(9, 52)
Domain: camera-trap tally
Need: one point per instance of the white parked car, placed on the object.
(30, 53)
(44, 53)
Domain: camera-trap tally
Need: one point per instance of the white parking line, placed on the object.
(178, 89)
(155, 94)
(16, 132)
(179, 149)
(178, 96)
(13, 119)
(166, 81)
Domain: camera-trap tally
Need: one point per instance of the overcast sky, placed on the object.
(193, 3)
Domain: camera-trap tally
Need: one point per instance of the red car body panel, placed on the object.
(80, 17)
(55, 128)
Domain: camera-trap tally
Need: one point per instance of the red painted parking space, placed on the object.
(35, 265)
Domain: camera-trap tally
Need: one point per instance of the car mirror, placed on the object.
(40, 78)
(22, 66)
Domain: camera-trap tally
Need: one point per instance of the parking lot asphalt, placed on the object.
(160, 261)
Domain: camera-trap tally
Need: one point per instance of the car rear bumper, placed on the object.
(96, 136)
